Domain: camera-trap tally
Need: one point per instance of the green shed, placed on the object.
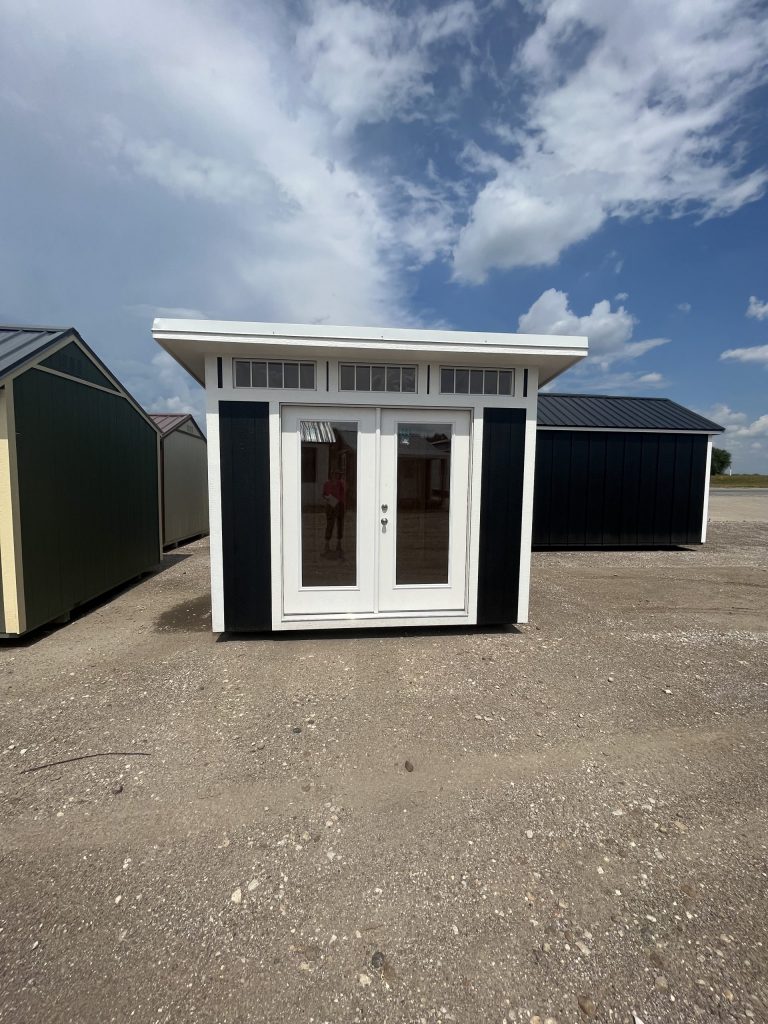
(79, 478)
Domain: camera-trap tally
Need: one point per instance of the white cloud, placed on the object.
(184, 173)
(367, 64)
(621, 296)
(684, 307)
(745, 438)
(207, 103)
(643, 125)
(609, 331)
(147, 311)
(586, 378)
(757, 308)
(753, 354)
(163, 386)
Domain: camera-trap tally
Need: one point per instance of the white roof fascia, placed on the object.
(189, 341)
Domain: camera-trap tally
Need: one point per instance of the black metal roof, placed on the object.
(619, 412)
(19, 345)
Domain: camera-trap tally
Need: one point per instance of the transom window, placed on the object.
(460, 380)
(250, 373)
(370, 377)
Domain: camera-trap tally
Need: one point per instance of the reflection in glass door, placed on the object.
(423, 502)
(328, 503)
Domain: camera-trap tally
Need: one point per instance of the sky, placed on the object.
(550, 166)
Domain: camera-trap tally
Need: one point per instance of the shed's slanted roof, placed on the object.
(619, 412)
(167, 422)
(20, 344)
(189, 341)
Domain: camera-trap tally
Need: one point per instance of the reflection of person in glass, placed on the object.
(335, 499)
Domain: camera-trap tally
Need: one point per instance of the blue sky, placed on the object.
(557, 166)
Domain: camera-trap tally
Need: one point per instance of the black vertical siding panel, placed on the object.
(542, 490)
(664, 489)
(596, 486)
(501, 509)
(698, 479)
(681, 488)
(646, 505)
(561, 486)
(245, 515)
(578, 490)
(633, 445)
(613, 495)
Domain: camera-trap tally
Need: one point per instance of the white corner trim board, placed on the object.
(707, 471)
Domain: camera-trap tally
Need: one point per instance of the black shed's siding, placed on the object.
(605, 489)
(88, 492)
(245, 515)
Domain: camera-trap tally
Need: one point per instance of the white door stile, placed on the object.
(450, 595)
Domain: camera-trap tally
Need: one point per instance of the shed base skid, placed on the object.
(374, 622)
(183, 541)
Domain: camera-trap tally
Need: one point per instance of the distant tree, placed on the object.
(721, 460)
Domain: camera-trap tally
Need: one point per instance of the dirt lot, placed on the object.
(583, 834)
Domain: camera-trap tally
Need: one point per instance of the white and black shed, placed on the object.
(618, 471)
(183, 477)
(365, 476)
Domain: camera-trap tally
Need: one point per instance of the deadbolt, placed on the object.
(384, 508)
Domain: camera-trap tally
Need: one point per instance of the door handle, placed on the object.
(384, 522)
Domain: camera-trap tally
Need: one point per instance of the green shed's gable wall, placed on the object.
(72, 360)
(88, 492)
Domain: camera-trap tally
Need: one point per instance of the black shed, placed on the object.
(79, 490)
(614, 471)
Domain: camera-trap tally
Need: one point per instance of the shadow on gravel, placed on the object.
(187, 616)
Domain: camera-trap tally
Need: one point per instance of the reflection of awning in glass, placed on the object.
(317, 431)
(324, 432)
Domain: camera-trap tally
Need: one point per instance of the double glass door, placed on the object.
(374, 507)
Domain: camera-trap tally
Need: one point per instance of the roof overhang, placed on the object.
(189, 341)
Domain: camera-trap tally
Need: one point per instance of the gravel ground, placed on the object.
(566, 821)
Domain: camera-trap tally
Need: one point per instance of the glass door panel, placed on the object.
(423, 502)
(328, 510)
(423, 492)
(328, 503)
